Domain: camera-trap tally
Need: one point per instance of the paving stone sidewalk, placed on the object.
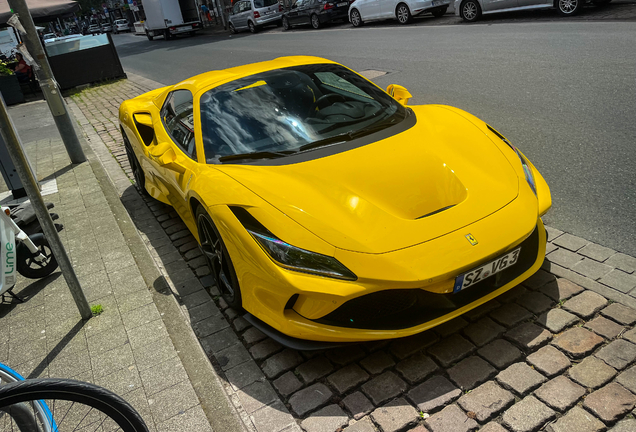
(127, 348)
(556, 353)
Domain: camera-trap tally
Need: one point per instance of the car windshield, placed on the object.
(264, 3)
(288, 110)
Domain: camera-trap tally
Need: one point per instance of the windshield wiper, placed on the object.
(350, 135)
(256, 155)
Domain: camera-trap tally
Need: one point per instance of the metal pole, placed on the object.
(49, 86)
(12, 140)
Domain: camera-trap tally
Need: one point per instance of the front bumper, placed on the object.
(397, 294)
(425, 6)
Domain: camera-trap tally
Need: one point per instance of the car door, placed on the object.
(493, 5)
(293, 14)
(177, 157)
(235, 17)
(371, 9)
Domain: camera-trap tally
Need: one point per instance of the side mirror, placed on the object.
(144, 119)
(399, 93)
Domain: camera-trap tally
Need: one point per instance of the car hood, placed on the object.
(440, 175)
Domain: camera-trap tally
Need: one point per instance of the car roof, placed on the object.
(207, 79)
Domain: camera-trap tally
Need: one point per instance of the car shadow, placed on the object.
(415, 372)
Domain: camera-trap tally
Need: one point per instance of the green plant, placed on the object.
(4, 70)
(97, 309)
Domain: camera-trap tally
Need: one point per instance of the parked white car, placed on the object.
(362, 11)
(121, 25)
(472, 10)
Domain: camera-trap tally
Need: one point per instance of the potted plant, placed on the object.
(10, 86)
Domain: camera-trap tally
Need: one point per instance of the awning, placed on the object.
(41, 10)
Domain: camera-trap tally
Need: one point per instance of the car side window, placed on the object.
(237, 8)
(178, 118)
(246, 6)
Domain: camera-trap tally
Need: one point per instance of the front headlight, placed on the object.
(524, 162)
(301, 260)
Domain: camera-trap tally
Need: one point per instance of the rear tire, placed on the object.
(135, 166)
(403, 13)
(286, 25)
(166, 34)
(25, 260)
(437, 13)
(470, 11)
(315, 21)
(569, 7)
(252, 27)
(356, 18)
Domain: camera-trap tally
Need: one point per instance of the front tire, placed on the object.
(315, 21)
(26, 264)
(286, 25)
(437, 13)
(356, 18)
(470, 10)
(232, 29)
(569, 7)
(218, 259)
(148, 36)
(403, 14)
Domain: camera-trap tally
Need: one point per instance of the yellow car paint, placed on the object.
(364, 207)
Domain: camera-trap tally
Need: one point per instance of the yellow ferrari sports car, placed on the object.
(330, 210)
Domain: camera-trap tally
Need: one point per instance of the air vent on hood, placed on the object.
(436, 211)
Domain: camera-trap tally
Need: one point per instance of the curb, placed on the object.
(206, 383)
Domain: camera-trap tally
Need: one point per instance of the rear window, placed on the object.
(264, 3)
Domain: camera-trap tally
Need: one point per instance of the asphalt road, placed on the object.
(564, 92)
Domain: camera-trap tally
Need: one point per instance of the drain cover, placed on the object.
(372, 73)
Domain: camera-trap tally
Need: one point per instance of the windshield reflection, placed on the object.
(285, 109)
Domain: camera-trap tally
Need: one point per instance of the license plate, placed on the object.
(184, 28)
(342, 4)
(474, 276)
(269, 12)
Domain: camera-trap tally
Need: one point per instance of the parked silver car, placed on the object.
(254, 14)
(472, 10)
(121, 25)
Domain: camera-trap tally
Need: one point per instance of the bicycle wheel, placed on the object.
(42, 416)
(74, 406)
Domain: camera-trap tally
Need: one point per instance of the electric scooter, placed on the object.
(31, 256)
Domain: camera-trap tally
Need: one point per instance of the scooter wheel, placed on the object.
(25, 260)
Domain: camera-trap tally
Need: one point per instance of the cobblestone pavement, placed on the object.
(126, 348)
(555, 353)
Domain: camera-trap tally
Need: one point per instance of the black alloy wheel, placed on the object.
(286, 25)
(135, 167)
(315, 21)
(218, 259)
(356, 18)
(470, 10)
(569, 7)
(439, 12)
(252, 27)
